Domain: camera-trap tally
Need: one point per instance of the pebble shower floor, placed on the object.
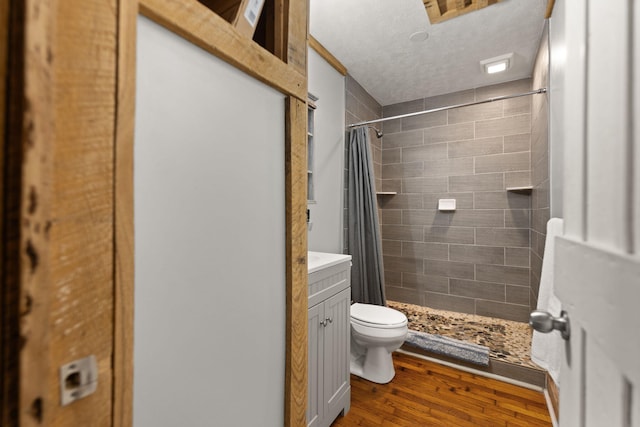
(507, 340)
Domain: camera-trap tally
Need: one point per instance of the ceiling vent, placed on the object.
(497, 64)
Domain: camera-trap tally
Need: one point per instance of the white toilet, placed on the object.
(376, 332)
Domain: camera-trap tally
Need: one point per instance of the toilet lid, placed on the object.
(377, 315)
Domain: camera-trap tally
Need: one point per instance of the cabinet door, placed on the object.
(315, 402)
(336, 350)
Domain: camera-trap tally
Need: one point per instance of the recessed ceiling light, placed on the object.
(419, 36)
(497, 64)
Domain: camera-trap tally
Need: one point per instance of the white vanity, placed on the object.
(329, 391)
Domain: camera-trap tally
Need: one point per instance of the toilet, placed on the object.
(376, 332)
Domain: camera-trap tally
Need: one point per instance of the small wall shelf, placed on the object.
(523, 189)
(386, 193)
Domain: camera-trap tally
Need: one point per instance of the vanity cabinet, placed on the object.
(329, 391)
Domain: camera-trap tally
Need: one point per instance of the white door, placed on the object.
(597, 260)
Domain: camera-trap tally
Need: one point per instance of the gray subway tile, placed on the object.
(516, 143)
(517, 218)
(509, 162)
(408, 296)
(517, 179)
(403, 264)
(400, 201)
(403, 108)
(447, 167)
(461, 218)
(424, 153)
(539, 220)
(503, 89)
(391, 156)
(482, 182)
(424, 121)
(425, 250)
(518, 313)
(461, 270)
(392, 185)
(418, 216)
(402, 139)
(517, 257)
(392, 247)
(502, 274)
(402, 232)
(475, 147)
(501, 127)
(477, 254)
(514, 237)
(426, 283)
(391, 126)
(402, 170)
(475, 112)
(517, 106)
(475, 289)
(536, 265)
(392, 278)
(391, 216)
(449, 302)
(454, 98)
(457, 132)
(435, 184)
(500, 200)
(470, 218)
(518, 294)
(463, 235)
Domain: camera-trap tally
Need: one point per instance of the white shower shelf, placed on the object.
(522, 189)
(386, 193)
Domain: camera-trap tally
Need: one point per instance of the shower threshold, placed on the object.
(509, 342)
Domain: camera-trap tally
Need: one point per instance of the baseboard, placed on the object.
(521, 374)
(474, 369)
(553, 398)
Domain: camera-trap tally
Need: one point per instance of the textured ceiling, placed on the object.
(371, 38)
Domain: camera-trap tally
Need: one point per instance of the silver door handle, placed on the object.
(545, 322)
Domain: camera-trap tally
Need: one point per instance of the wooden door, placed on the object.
(597, 261)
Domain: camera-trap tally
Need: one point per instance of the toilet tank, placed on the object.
(328, 275)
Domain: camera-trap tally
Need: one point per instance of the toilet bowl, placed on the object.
(376, 332)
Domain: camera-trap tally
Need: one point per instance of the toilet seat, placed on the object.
(376, 316)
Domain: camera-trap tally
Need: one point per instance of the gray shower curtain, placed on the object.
(367, 272)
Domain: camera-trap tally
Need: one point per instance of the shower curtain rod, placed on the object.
(433, 110)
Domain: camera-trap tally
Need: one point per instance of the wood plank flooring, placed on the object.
(424, 393)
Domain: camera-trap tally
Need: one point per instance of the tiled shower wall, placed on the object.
(360, 106)
(476, 259)
(539, 166)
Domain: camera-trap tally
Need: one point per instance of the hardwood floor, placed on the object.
(429, 394)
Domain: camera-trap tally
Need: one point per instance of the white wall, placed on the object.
(327, 84)
(557, 64)
(210, 240)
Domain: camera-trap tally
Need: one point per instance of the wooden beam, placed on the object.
(549, 11)
(439, 12)
(196, 23)
(296, 266)
(34, 271)
(297, 36)
(124, 226)
(327, 56)
(11, 98)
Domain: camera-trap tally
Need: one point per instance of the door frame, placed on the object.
(285, 70)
